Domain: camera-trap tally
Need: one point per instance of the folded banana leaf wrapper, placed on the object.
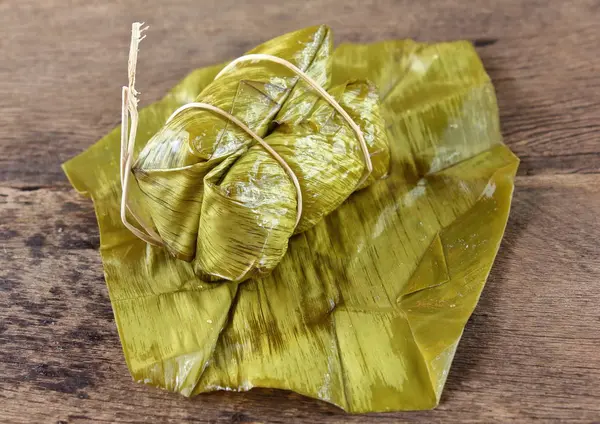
(367, 303)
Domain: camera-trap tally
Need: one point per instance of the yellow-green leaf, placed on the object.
(366, 309)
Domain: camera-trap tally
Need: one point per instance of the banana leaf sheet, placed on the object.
(366, 309)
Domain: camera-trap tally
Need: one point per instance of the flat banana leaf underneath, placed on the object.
(367, 308)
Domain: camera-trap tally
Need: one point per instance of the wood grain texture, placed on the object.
(530, 351)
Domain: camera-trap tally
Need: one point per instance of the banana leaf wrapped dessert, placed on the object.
(368, 305)
(170, 169)
(216, 196)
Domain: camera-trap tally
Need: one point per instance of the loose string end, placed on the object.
(129, 110)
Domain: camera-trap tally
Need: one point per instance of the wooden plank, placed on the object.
(63, 64)
(530, 351)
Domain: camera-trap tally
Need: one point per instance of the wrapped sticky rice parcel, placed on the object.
(170, 169)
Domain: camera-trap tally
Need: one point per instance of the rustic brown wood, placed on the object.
(530, 351)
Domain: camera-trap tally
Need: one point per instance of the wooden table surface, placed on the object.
(531, 349)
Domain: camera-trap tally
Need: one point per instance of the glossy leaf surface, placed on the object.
(249, 209)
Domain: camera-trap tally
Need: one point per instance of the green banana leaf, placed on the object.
(366, 308)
